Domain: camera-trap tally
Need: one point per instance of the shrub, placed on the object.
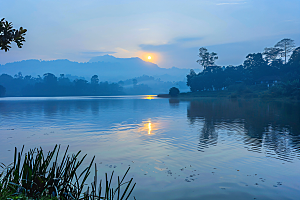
(174, 92)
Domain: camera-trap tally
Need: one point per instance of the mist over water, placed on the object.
(208, 148)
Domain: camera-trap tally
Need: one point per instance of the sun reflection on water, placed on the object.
(149, 97)
(149, 128)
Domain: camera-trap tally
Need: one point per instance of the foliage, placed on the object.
(67, 85)
(174, 92)
(271, 53)
(286, 46)
(189, 78)
(37, 176)
(94, 80)
(50, 85)
(2, 91)
(8, 35)
(265, 68)
(206, 58)
(295, 58)
(285, 89)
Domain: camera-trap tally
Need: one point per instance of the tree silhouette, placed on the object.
(206, 58)
(295, 58)
(2, 91)
(8, 35)
(174, 92)
(95, 80)
(287, 46)
(50, 79)
(271, 53)
(134, 82)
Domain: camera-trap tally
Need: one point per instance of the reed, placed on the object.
(42, 176)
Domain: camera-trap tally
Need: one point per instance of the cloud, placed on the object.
(122, 50)
(144, 29)
(188, 39)
(171, 46)
(97, 52)
(230, 3)
(157, 48)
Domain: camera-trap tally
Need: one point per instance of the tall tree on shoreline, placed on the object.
(8, 35)
(271, 53)
(287, 46)
(206, 58)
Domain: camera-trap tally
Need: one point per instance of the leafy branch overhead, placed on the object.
(8, 35)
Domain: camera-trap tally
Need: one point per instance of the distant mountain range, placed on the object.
(108, 68)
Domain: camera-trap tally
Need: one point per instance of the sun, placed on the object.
(149, 57)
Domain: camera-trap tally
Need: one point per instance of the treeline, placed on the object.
(67, 85)
(271, 67)
(50, 85)
(150, 85)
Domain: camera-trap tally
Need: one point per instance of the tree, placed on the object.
(63, 80)
(190, 76)
(295, 58)
(134, 82)
(8, 35)
(50, 79)
(287, 46)
(2, 91)
(253, 61)
(206, 58)
(94, 80)
(174, 92)
(271, 53)
(256, 65)
(18, 75)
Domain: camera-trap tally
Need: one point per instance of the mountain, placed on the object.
(108, 68)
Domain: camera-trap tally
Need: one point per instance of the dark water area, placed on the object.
(198, 149)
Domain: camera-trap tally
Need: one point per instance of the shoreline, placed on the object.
(225, 95)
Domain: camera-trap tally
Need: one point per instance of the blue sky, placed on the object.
(170, 31)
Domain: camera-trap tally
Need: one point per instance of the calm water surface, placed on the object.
(201, 149)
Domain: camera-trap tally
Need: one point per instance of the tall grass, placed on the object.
(40, 175)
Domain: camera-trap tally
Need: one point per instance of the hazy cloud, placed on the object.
(175, 30)
(188, 39)
(123, 50)
(98, 52)
(171, 46)
(144, 29)
(231, 3)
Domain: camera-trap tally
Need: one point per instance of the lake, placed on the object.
(197, 149)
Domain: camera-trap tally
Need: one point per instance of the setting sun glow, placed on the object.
(149, 56)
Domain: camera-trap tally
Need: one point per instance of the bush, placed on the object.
(174, 92)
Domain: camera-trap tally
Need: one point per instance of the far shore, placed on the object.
(225, 94)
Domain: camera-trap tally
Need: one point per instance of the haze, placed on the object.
(171, 32)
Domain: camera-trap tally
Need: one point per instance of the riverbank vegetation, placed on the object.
(39, 175)
(272, 73)
(68, 85)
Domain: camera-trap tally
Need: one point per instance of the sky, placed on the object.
(170, 31)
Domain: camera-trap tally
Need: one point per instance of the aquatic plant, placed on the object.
(36, 176)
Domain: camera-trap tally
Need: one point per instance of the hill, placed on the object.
(108, 68)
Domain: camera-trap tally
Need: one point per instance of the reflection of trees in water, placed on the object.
(208, 135)
(279, 140)
(272, 127)
(174, 103)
